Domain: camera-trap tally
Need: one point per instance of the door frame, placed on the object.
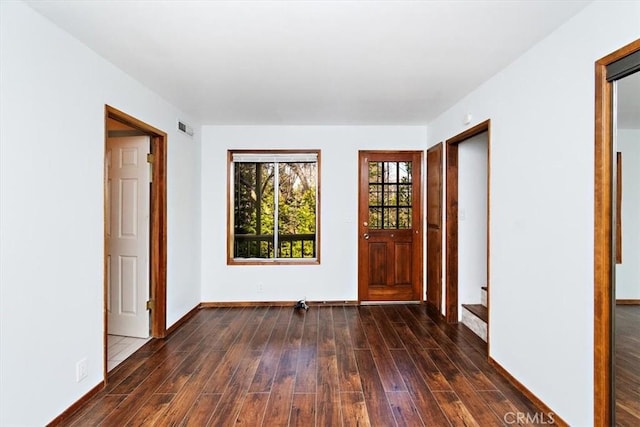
(604, 262)
(436, 148)
(418, 267)
(157, 222)
(451, 221)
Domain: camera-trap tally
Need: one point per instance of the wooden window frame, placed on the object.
(231, 260)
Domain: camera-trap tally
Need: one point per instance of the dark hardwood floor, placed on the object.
(627, 371)
(329, 366)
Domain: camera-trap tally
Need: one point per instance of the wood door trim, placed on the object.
(418, 217)
(158, 224)
(451, 226)
(619, 208)
(603, 241)
(438, 148)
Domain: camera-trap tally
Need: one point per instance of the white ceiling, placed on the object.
(311, 62)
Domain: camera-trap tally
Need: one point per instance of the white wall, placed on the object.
(472, 219)
(54, 90)
(335, 279)
(541, 264)
(628, 273)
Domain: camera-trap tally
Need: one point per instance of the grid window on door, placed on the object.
(274, 206)
(390, 197)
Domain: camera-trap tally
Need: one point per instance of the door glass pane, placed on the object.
(390, 195)
(390, 218)
(391, 171)
(404, 171)
(404, 218)
(375, 172)
(375, 218)
(404, 195)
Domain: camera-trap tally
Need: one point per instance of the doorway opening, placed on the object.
(470, 205)
(608, 70)
(120, 124)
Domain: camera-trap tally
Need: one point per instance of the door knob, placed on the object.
(366, 236)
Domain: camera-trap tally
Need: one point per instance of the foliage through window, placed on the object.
(274, 205)
(390, 198)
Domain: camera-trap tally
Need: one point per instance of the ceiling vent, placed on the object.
(185, 128)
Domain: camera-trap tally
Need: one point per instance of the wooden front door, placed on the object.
(434, 226)
(389, 226)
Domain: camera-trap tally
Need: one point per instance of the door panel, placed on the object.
(389, 215)
(434, 226)
(128, 236)
(403, 264)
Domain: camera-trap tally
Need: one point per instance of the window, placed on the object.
(390, 202)
(274, 206)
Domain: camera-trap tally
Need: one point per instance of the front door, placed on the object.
(389, 225)
(128, 236)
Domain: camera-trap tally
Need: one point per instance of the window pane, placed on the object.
(297, 209)
(254, 204)
(274, 204)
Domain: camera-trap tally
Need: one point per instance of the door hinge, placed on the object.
(151, 304)
(149, 158)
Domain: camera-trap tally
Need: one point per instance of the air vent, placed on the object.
(185, 128)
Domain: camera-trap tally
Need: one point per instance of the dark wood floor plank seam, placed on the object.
(278, 409)
(138, 397)
(328, 366)
(177, 410)
(378, 406)
(233, 397)
(419, 390)
(387, 370)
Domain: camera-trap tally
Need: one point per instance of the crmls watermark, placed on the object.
(529, 418)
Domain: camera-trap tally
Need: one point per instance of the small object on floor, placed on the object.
(302, 304)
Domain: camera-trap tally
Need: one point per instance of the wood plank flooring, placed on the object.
(627, 371)
(394, 365)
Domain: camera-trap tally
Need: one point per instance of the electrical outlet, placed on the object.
(81, 370)
(260, 286)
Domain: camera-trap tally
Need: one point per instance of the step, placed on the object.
(483, 295)
(475, 317)
(479, 310)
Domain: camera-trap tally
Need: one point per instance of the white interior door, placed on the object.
(128, 236)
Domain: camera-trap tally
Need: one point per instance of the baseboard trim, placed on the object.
(183, 320)
(547, 412)
(75, 406)
(60, 419)
(231, 304)
(628, 302)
